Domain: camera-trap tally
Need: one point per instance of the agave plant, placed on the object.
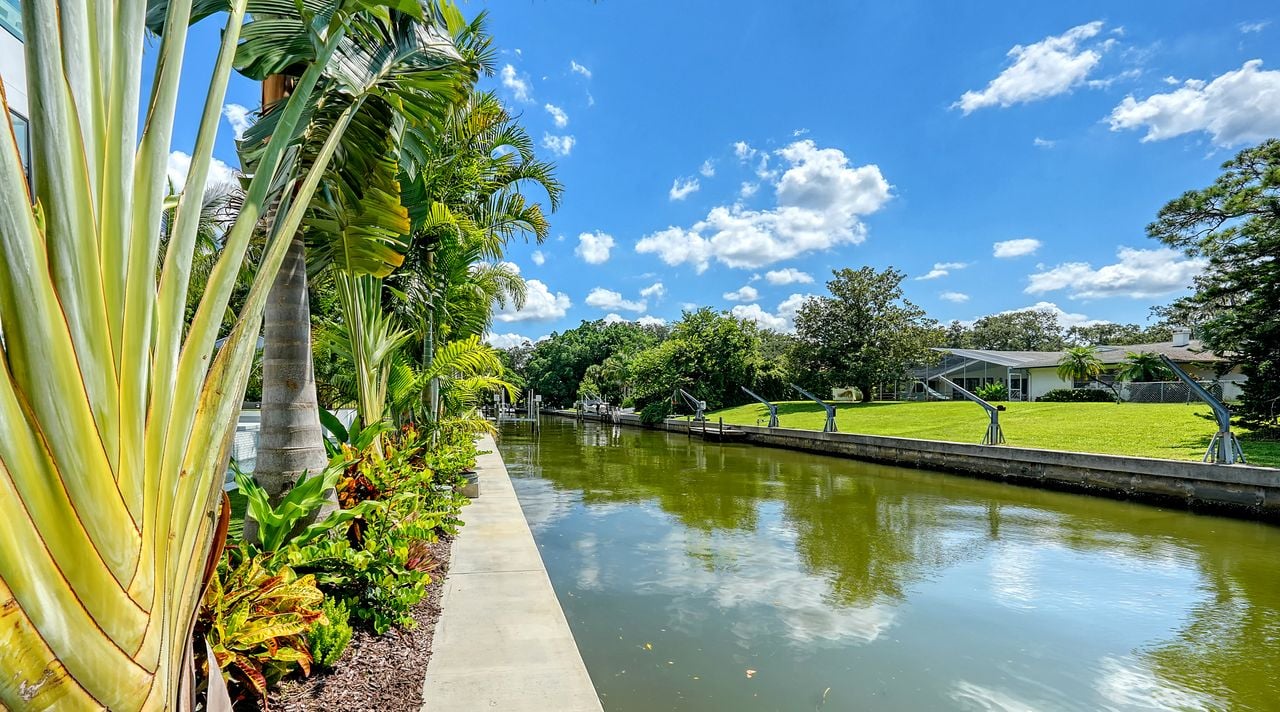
(117, 413)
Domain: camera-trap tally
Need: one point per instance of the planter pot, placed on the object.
(471, 489)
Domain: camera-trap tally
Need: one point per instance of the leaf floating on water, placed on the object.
(648, 646)
(750, 673)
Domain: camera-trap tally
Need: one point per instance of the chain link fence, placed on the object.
(1165, 392)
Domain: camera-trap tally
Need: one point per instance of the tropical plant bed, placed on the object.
(339, 613)
(376, 672)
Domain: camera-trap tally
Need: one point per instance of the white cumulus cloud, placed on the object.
(654, 291)
(1137, 274)
(518, 85)
(579, 69)
(239, 117)
(540, 304)
(756, 313)
(942, 269)
(1240, 106)
(1015, 248)
(746, 293)
(954, 297)
(538, 258)
(1046, 68)
(782, 319)
(651, 321)
(180, 163)
(1066, 319)
(789, 275)
(707, 169)
(557, 115)
(559, 145)
(602, 298)
(820, 198)
(506, 341)
(680, 189)
(594, 247)
(743, 150)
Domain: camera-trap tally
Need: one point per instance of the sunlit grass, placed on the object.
(1174, 431)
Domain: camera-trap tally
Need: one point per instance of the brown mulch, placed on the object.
(376, 673)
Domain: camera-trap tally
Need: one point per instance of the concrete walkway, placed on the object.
(502, 642)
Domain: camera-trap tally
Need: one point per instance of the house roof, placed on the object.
(1193, 352)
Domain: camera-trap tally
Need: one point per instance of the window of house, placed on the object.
(11, 17)
(22, 132)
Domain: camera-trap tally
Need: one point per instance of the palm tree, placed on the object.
(1081, 363)
(116, 411)
(467, 203)
(1144, 367)
(413, 72)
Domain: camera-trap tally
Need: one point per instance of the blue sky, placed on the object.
(1002, 159)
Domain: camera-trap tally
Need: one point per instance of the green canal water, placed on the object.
(730, 577)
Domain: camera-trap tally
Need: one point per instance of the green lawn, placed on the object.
(1174, 431)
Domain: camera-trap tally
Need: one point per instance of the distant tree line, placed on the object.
(1040, 330)
(865, 333)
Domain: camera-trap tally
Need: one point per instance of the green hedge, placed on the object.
(1077, 395)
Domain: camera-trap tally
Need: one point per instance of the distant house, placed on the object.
(1031, 374)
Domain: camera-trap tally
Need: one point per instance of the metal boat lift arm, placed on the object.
(830, 425)
(773, 409)
(995, 435)
(699, 406)
(1224, 447)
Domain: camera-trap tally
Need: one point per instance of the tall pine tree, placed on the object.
(1235, 224)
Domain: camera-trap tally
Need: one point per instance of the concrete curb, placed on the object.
(502, 641)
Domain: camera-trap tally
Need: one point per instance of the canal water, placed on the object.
(731, 577)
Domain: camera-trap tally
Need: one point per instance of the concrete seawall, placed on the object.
(502, 642)
(1238, 490)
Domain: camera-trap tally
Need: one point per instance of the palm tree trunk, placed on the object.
(291, 441)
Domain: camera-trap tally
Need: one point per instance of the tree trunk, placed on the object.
(290, 442)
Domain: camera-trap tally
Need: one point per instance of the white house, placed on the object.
(13, 71)
(1031, 374)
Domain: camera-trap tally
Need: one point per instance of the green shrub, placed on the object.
(995, 391)
(281, 523)
(655, 412)
(382, 567)
(328, 641)
(1077, 395)
(381, 577)
(256, 618)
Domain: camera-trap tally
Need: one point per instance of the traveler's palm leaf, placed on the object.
(116, 412)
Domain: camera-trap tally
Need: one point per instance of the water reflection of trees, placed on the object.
(872, 532)
(1230, 646)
